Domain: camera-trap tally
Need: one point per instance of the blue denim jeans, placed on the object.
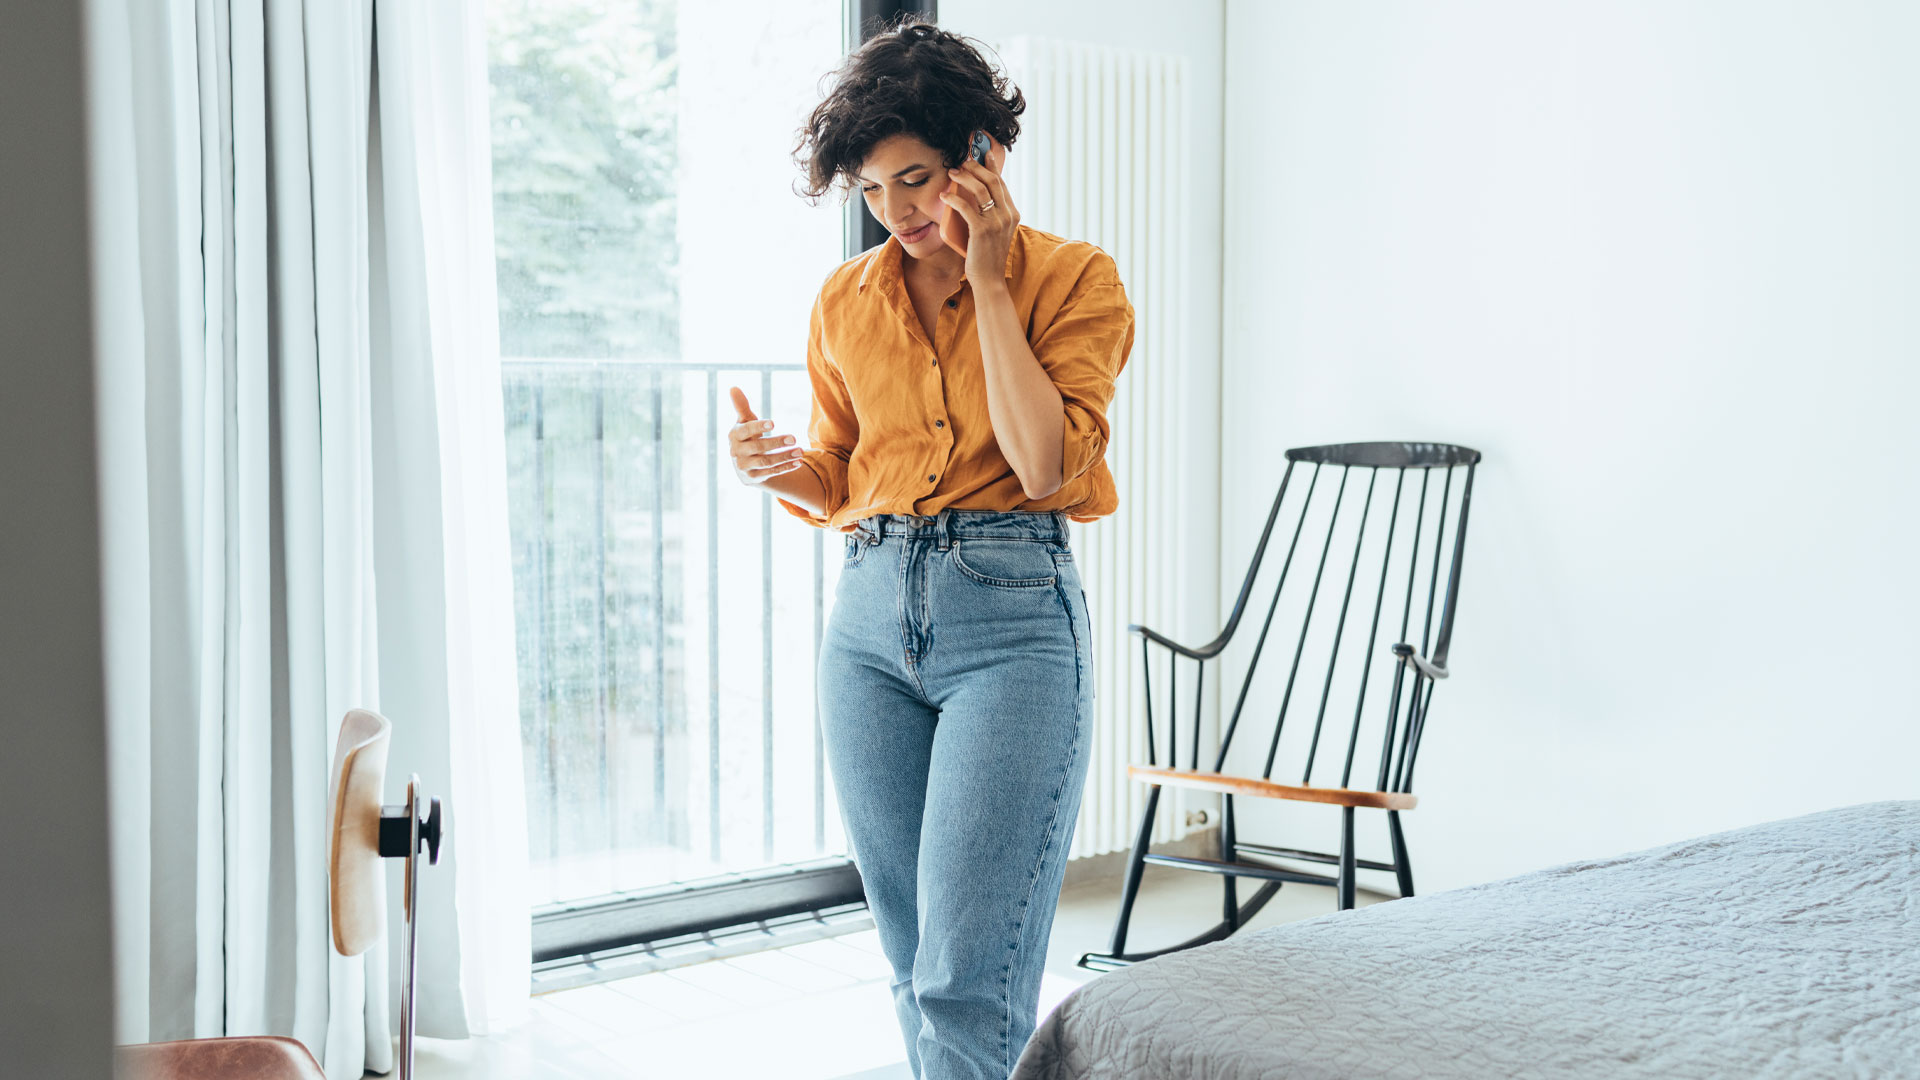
(956, 694)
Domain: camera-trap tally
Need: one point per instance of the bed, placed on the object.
(1788, 949)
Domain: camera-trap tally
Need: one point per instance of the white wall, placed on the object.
(1659, 263)
(1194, 31)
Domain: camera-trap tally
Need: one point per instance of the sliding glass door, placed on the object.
(651, 254)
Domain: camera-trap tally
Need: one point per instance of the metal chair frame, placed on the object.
(1415, 672)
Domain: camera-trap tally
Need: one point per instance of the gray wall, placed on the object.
(56, 992)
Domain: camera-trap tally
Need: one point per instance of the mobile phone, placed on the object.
(954, 231)
(981, 144)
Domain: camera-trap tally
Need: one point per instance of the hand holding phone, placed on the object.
(984, 149)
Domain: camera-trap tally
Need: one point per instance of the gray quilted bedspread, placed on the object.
(1785, 949)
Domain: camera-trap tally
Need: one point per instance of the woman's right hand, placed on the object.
(757, 453)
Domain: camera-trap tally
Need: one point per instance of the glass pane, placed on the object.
(651, 253)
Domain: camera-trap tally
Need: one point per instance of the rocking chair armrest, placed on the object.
(1407, 654)
(1205, 652)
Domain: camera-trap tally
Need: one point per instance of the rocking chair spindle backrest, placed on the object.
(1371, 529)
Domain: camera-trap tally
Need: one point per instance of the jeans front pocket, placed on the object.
(1005, 564)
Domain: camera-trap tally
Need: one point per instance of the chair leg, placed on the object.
(1237, 916)
(1230, 901)
(1136, 863)
(1219, 931)
(1346, 858)
(1401, 867)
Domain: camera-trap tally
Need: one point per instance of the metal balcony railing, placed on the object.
(622, 542)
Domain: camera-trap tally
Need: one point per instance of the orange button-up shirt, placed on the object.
(900, 424)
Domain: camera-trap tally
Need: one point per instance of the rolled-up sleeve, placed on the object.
(1083, 351)
(832, 429)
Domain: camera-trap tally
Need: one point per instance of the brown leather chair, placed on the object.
(363, 834)
(270, 1057)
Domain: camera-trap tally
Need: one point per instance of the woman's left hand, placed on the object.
(989, 232)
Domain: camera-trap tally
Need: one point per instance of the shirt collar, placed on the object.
(883, 264)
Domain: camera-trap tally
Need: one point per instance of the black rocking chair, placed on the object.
(1401, 558)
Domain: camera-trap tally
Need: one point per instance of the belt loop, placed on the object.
(941, 531)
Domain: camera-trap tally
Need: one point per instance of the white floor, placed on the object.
(815, 1011)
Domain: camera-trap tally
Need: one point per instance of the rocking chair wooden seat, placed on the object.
(1393, 562)
(1267, 789)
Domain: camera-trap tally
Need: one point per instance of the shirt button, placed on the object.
(929, 478)
(954, 302)
(939, 423)
(936, 363)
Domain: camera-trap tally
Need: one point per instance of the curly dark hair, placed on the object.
(910, 78)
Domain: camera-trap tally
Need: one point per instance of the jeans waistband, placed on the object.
(983, 524)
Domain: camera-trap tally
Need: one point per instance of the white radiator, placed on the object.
(1102, 157)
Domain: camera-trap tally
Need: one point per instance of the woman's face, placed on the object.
(902, 180)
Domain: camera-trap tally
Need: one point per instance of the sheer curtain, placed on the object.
(304, 506)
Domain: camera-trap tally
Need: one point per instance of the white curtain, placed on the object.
(304, 505)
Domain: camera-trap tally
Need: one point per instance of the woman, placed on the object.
(959, 421)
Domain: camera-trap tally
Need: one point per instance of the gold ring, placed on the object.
(986, 206)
